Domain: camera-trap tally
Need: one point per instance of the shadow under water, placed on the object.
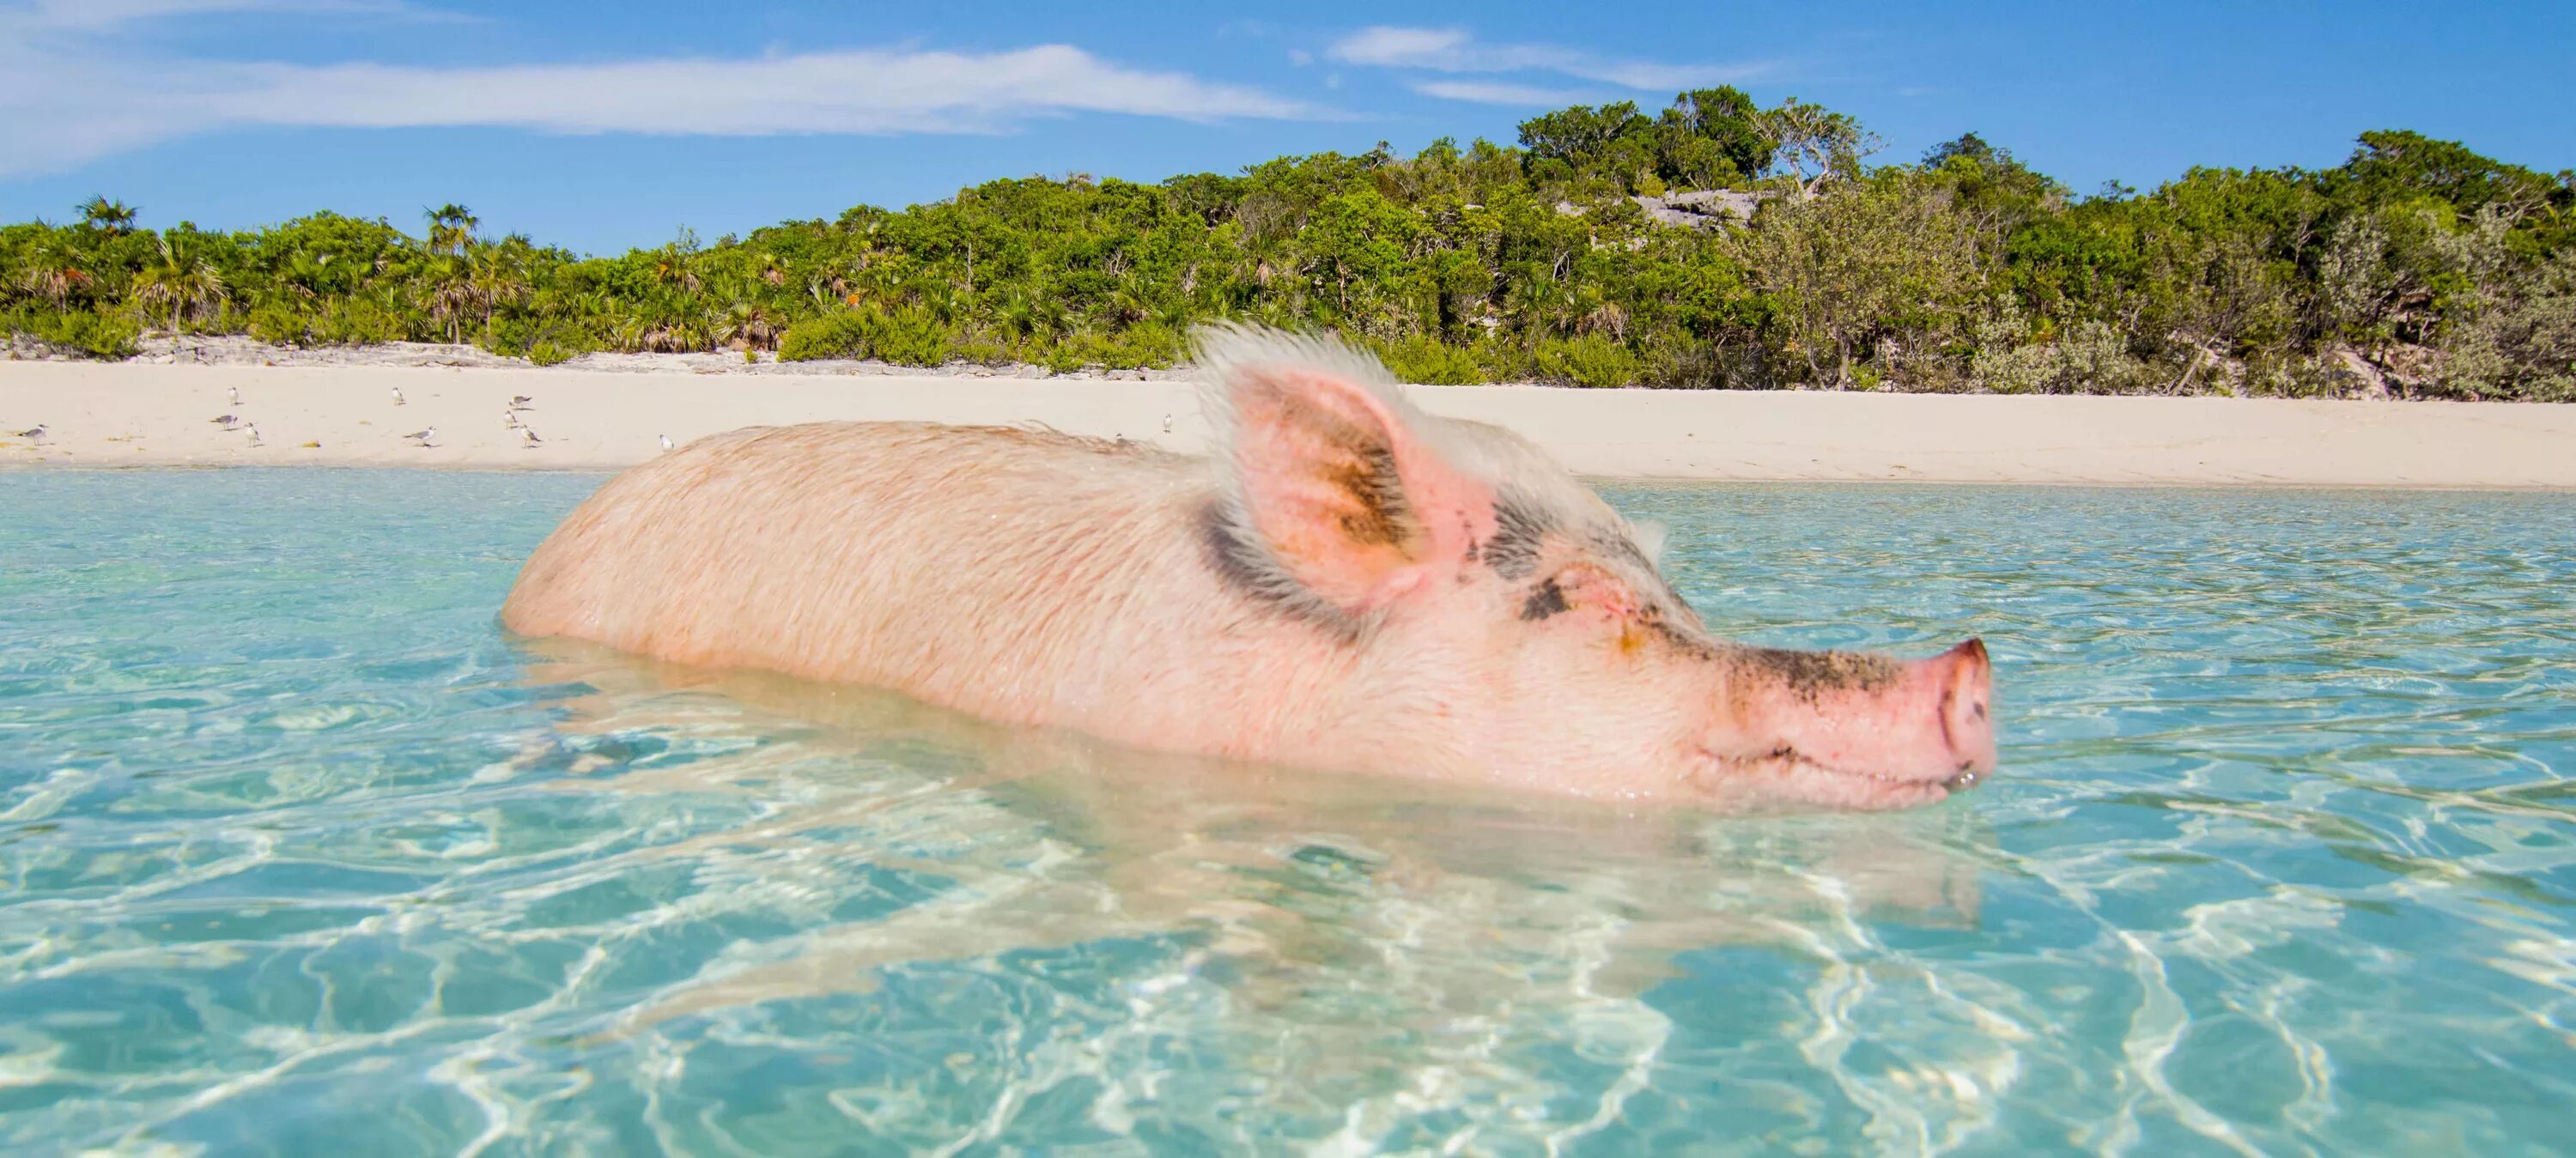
(1367, 925)
(297, 849)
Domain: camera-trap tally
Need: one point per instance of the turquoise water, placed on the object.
(300, 855)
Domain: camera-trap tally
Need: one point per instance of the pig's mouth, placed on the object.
(1784, 775)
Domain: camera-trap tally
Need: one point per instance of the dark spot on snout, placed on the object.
(1810, 673)
(1548, 600)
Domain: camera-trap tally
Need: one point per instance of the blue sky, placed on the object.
(607, 126)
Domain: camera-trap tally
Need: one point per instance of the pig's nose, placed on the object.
(1967, 709)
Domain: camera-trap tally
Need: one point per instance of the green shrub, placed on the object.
(358, 322)
(980, 348)
(1067, 353)
(1678, 362)
(839, 334)
(81, 331)
(279, 324)
(2087, 358)
(907, 337)
(2452, 273)
(1505, 361)
(1428, 360)
(1591, 360)
(547, 353)
(1150, 344)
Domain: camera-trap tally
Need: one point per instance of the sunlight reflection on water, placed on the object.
(300, 849)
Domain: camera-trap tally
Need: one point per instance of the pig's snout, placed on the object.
(1866, 731)
(1965, 678)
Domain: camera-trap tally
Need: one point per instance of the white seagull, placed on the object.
(37, 434)
(398, 398)
(666, 442)
(227, 421)
(234, 392)
(423, 435)
(528, 436)
(254, 434)
(1167, 424)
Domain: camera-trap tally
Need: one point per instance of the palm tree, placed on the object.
(451, 228)
(450, 301)
(747, 327)
(112, 216)
(629, 334)
(179, 290)
(495, 283)
(54, 284)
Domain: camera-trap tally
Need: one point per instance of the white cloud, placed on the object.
(1456, 50)
(82, 15)
(1499, 93)
(1442, 48)
(73, 101)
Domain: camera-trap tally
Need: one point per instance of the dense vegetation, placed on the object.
(2417, 268)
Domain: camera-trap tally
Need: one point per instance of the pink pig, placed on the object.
(1346, 583)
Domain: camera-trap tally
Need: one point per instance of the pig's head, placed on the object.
(1500, 620)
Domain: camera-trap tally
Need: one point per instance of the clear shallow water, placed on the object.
(297, 853)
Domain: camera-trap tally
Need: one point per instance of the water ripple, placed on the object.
(296, 848)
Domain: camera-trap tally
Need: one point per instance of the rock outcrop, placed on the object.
(1701, 208)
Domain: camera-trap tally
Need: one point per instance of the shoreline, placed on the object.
(131, 414)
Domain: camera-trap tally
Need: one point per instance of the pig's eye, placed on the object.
(1546, 600)
(1580, 586)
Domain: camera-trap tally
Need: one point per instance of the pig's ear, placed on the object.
(1338, 498)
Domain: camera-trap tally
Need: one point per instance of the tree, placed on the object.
(451, 229)
(1969, 147)
(1879, 262)
(1815, 144)
(1999, 194)
(1580, 133)
(1730, 122)
(2437, 270)
(2391, 164)
(110, 216)
(179, 289)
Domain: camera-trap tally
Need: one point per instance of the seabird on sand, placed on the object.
(37, 434)
(233, 392)
(528, 436)
(398, 398)
(423, 435)
(666, 442)
(509, 420)
(520, 401)
(254, 433)
(227, 421)
(1167, 424)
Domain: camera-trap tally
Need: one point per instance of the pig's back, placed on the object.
(959, 563)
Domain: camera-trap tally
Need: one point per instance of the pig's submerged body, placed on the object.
(1344, 583)
(1073, 591)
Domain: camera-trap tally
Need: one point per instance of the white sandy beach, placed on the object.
(132, 414)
